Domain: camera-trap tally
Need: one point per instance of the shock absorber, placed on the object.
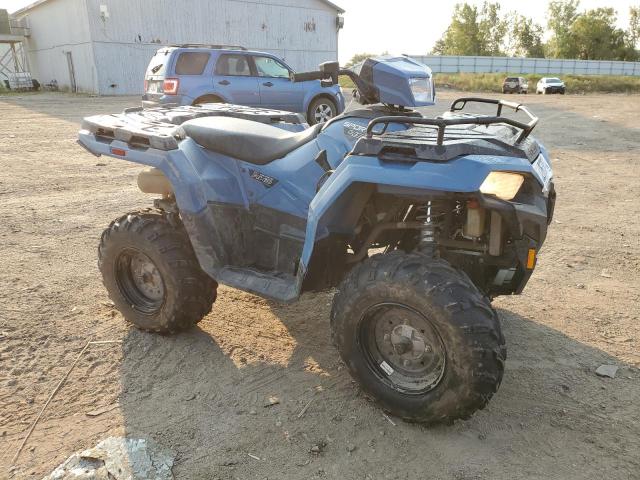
(431, 215)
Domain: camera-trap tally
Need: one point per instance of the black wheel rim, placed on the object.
(402, 348)
(139, 281)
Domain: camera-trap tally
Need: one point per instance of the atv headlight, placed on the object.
(503, 185)
(422, 89)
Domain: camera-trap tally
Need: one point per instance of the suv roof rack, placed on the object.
(204, 45)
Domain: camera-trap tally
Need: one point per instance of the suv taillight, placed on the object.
(170, 86)
(146, 85)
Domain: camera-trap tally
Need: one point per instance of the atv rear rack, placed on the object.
(159, 127)
(457, 106)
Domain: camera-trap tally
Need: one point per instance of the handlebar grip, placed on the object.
(306, 76)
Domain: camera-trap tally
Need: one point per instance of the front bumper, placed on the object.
(527, 225)
(555, 89)
(518, 89)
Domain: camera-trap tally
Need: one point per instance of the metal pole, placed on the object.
(15, 57)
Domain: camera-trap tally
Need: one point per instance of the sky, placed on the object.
(412, 26)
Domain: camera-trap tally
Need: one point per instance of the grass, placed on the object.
(346, 83)
(492, 82)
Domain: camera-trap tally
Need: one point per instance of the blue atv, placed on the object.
(416, 222)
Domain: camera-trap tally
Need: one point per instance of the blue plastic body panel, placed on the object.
(463, 175)
(201, 178)
(284, 201)
(395, 92)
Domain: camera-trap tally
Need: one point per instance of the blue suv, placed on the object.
(196, 74)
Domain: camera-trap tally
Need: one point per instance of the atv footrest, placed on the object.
(281, 288)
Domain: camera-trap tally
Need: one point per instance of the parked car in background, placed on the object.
(550, 85)
(196, 74)
(515, 85)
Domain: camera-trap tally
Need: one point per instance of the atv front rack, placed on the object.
(457, 106)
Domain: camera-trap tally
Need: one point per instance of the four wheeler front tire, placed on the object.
(419, 337)
(151, 272)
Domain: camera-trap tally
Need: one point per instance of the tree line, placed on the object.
(574, 34)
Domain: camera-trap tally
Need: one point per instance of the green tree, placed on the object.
(473, 31)
(361, 57)
(595, 36)
(357, 58)
(462, 37)
(634, 26)
(492, 28)
(525, 37)
(561, 14)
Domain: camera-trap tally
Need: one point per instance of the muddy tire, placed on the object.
(418, 337)
(151, 272)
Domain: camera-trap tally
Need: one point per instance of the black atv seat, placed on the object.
(253, 142)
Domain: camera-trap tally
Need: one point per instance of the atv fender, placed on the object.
(462, 175)
(183, 167)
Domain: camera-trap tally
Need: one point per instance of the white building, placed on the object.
(104, 46)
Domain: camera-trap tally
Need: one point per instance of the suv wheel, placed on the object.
(321, 110)
(207, 99)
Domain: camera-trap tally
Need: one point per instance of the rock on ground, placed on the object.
(118, 459)
(607, 371)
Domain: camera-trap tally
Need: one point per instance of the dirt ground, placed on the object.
(203, 393)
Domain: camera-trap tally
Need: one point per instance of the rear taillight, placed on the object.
(170, 86)
(146, 85)
(121, 152)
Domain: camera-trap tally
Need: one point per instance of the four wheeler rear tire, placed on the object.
(418, 337)
(151, 272)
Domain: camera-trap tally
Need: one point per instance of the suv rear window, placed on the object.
(158, 64)
(233, 65)
(191, 63)
(512, 79)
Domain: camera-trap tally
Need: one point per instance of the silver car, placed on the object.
(550, 85)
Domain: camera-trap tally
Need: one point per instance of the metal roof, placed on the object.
(40, 2)
(331, 4)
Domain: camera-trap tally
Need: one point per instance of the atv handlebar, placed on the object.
(332, 76)
(443, 123)
(306, 76)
